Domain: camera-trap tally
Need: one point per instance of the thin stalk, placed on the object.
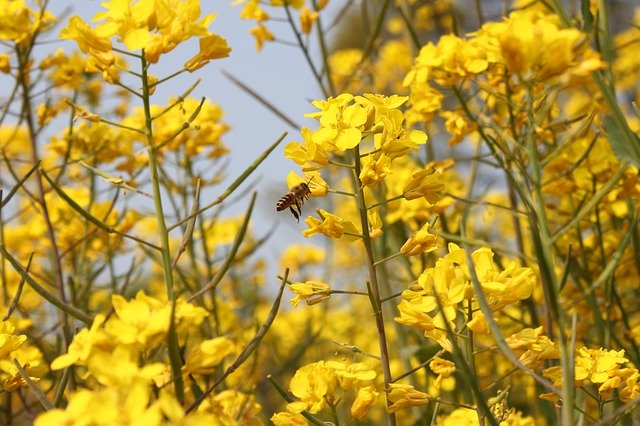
(174, 350)
(374, 287)
(28, 115)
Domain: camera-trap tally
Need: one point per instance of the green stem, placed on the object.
(374, 286)
(174, 350)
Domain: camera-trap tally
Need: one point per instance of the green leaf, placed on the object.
(625, 150)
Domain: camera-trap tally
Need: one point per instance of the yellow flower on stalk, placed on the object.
(16, 381)
(261, 34)
(313, 292)
(598, 365)
(332, 226)
(405, 396)
(375, 224)
(421, 241)
(365, 399)
(537, 347)
(433, 328)
(631, 388)
(309, 155)
(352, 375)
(460, 417)
(341, 124)
(307, 18)
(9, 342)
(426, 183)
(458, 125)
(20, 22)
(121, 367)
(108, 406)
(314, 385)
(443, 368)
(502, 287)
(207, 355)
(212, 46)
(374, 169)
(344, 65)
(84, 344)
(157, 26)
(144, 320)
(297, 256)
(288, 419)
(89, 41)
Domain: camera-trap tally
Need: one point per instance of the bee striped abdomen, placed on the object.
(286, 201)
(295, 198)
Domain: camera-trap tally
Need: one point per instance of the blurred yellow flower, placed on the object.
(288, 419)
(443, 368)
(261, 34)
(421, 241)
(426, 183)
(405, 396)
(9, 342)
(307, 18)
(207, 355)
(314, 385)
(365, 399)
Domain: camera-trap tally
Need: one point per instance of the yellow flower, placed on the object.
(421, 241)
(16, 381)
(460, 417)
(631, 388)
(538, 347)
(209, 353)
(341, 124)
(144, 320)
(374, 170)
(425, 183)
(307, 291)
(458, 125)
(352, 375)
(366, 398)
(5, 63)
(443, 368)
(88, 40)
(297, 256)
(84, 343)
(8, 341)
(108, 406)
(212, 46)
(20, 23)
(375, 224)
(599, 366)
(405, 396)
(332, 226)
(502, 287)
(309, 155)
(261, 34)
(288, 419)
(307, 18)
(121, 367)
(478, 324)
(314, 384)
(416, 317)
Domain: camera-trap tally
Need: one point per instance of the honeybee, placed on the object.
(294, 199)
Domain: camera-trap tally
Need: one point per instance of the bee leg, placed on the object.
(295, 213)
